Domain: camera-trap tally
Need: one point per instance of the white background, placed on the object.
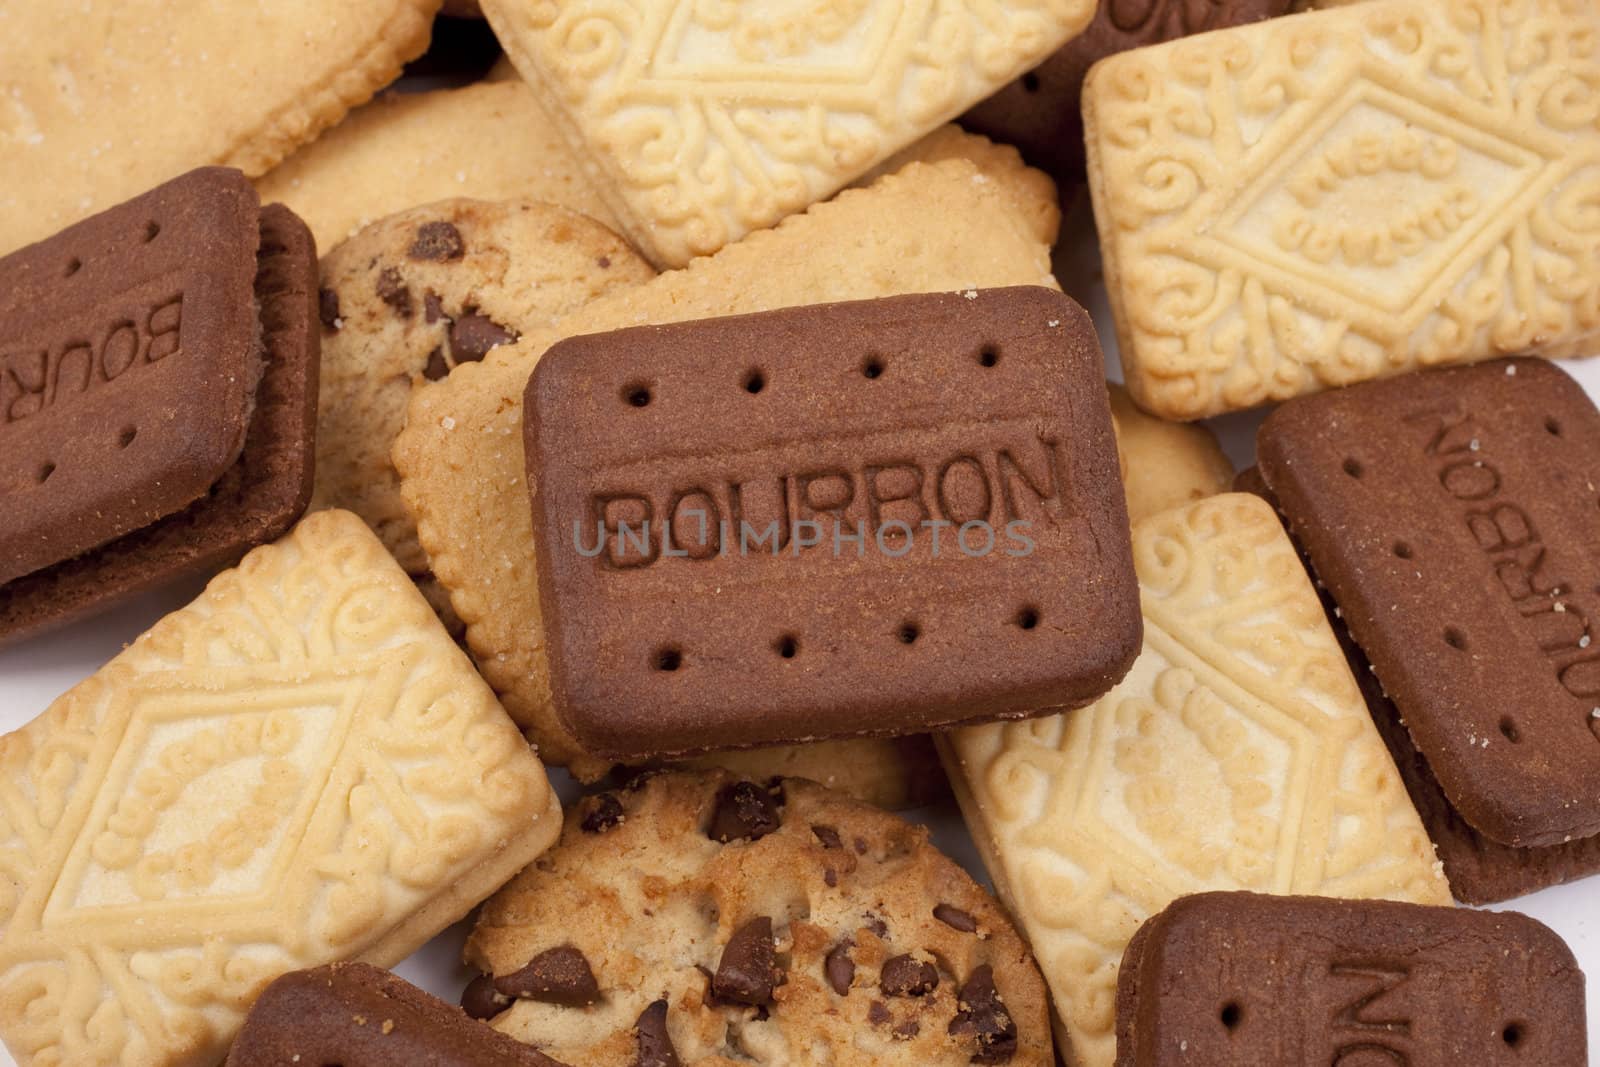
(36, 672)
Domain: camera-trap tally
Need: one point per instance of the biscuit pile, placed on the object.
(685, 398)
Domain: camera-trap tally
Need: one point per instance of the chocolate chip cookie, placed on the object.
(708, 919)
(417, 294)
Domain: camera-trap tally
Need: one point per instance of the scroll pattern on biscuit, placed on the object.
(1315, 201)
(1237, 754)
(275, 776)
(710, 120)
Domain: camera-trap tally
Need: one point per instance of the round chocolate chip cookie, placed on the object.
(414, 296)
(707, 919)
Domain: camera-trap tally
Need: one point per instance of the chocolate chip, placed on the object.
(392, 290)
(830, 877)
(432, 309)
(328, 309)
(861, 846)
(749, 967)
(828, 836)
(907, 1030)
(655, 1044)
(983, 1016)
(437, 368)
(480, 1001)
(839, 968)
(906, 976)
(743, 810)
(556, 976)
(878, 1013)
(605, 811)
(472, 335)
(955, 918)
(439, 241)
(877, 926)
(605, 262)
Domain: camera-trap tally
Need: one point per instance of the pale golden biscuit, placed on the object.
(1033, 191)
(1325, 198)
(708, 121)
(1237, 754)
(416, 294)
(927, 228)
(669, 889)
(103, 99)
(486, 141)
(298, 767)
(1164, 464)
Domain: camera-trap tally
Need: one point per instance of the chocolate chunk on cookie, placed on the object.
(357, 1015)
(741, 947)
(1241, 978)
(1041, 112)
(414, 296)
(1451, 515)
(157, 396)
(780, 460)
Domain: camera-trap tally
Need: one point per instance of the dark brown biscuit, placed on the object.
(820, 596)
(1239, 978)
(254, 501)
(1041, 113)
(128, 367)
(1480, 871)
(355, 1015)
(1452, 515)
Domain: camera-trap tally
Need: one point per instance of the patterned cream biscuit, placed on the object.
(1237, 754)
(421, 292)
(104, 99)
(487, 141)
(1325, 198)
(1164, 464)
(777, 924)
(298, 767)
(709, 121)
(925, 228)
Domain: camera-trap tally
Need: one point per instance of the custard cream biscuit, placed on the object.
(1237, 754)
(104, 99)
(926, 228)
(298, 767)
(1321, 199)
(707, 122)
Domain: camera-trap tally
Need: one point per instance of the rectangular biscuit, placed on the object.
(298, 767)
(106, 445)
(1452, 518)
(1243, 978)
(737, 521)
(702, 125)
(1480, 871)
(1348, 194)
(1236, 754)
(928, 228)
(1041, 112)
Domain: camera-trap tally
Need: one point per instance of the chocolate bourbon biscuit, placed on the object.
(158, 384)
(1241, 978)
(357, 1015)
(1480, 871)
(1452, 516)
(737, 522)
(1041, 113)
